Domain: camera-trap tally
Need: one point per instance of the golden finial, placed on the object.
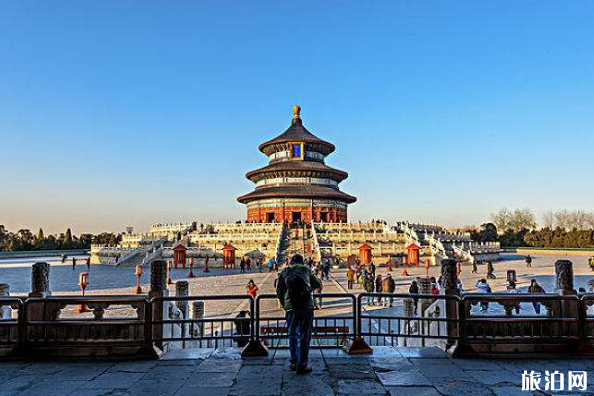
(296, 111)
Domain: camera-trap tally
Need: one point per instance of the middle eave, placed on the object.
(293, 168)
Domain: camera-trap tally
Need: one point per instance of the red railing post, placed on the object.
(358, 346)
(254, 347)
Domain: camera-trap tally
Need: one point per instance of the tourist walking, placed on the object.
(271, 264)
(88, 262)
(379, 288)
(294, 290)
(358, 274)
(483, 288)
(252, 288)
(259, 261)
(535, 288)
(371, 269)
(248, 264)
(511, 288)
(242, 265)
(490, 270)
(414, 289)
(319, 267)
(64, 257)
(388, 286)
(326, 269)
(350, 274)
(275, 283)
(434, 287)
(73, 263)
(474, 267)
(318, 299)
(591, 263)
(369, 286)
(528, 261)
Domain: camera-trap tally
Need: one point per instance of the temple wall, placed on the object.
(285, 213)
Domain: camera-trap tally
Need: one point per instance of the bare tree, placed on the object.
(569, 220)
(590, 220)
(562, 219)
(522, 219)
(548, 220)
(516, 220)
(501, 219)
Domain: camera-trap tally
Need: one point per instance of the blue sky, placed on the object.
(118, 113)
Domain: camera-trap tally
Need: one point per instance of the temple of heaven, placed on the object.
(296, 185)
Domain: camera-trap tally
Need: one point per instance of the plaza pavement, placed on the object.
(201, 372)
(542, 270)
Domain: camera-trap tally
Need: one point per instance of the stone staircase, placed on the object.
(282, 254)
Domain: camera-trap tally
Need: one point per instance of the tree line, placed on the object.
(25, 240)
(519, 228)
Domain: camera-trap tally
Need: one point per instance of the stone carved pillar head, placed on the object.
(5, 310)
(449, 276)
(182, 288)
(158, 279)
(40, 273)
(564, 277)
(425, 286)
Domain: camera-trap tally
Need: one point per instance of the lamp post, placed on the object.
(169, 281)
(191, 274)
(138, 276)
(404, 271)
(83, 282)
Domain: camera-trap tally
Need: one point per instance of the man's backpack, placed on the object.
(298, 287)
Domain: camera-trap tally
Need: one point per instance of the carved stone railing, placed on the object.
(69, 325)
(108, 325)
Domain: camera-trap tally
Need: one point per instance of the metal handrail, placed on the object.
(212, 297)
(352, 316)
(582, 321)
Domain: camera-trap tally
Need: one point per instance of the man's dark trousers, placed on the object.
(299, 323)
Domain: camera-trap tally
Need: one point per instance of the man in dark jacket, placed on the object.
(369, 287)
(414, 289)
(388, 286)
(294, 290)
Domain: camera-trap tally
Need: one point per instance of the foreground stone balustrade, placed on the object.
(51, 329)
(5, 310)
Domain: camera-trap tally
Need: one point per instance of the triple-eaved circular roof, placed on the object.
(297, 168)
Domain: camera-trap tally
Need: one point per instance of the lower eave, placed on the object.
(310, 192)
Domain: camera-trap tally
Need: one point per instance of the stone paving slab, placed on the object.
(406, 372)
